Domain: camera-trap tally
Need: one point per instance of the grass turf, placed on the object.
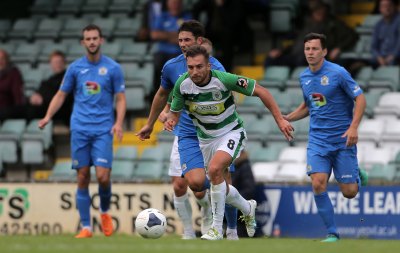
(173, 244)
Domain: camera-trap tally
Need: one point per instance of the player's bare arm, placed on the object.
(159, 102)
(120, 105)
(54, 106)
(172, 120)
(352, 132)
(269, 101)
(299, 113)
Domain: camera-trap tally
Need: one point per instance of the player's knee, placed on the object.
(349, 194)
(214, 171)
(179, 188)
(318, 186)
(197, 187)
(103, 179)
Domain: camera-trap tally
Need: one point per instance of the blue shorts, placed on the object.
(339, 158)
(190, 154)
(89, 149)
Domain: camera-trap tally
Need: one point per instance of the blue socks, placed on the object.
(231, 216)
(83, 203)
(325, 210)
(105, 198)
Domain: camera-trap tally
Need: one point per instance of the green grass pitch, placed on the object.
(173, 244)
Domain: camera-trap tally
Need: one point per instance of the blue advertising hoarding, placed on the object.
(290, 211)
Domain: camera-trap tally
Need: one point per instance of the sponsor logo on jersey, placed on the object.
(207, 109)
(308, 82)
(324, 80)
(92, 88)
(242, 82)
(356, 89)
(309, 167)
(103, 71)
(83, 71)
(184, 167)
(317, 100)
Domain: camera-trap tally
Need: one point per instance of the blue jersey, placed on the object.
(329, 94)
(172, 70)
(94, 86)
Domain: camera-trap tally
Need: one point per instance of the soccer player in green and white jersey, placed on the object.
(207, 97)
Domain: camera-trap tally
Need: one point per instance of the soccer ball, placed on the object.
(151, 223)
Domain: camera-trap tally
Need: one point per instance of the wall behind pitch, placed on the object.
(51, 208)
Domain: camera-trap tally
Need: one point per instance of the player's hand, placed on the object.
(43, 122)
(287, 129)
(145, 132)
(117, 131)
(352, 136)
(162, 117)
(169, 125)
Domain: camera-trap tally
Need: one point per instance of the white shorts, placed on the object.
(232, 143)
(175, 169)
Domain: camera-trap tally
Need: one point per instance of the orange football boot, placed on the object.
(106, 224)
(84, 233)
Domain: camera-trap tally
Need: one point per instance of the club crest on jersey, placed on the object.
(216, 95)
(103, 71)
(324, 80)
(242, 82)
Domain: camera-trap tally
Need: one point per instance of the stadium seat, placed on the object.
(264, 171)
(382, 173)
(73, 28)
(26, 53)
(136, 76)
(107, 26)
(5, 27)
(135, 98)
(372, 99)
(363, 76)
(380, 156)
(275, 76)
(251, 105)
(293, 155)
(32, 80)
(385, 78)
(43, 7)
(69, 7)
(126, 153)
(74, 52)
(369, 23)
(122, 170)
(127, 28)
(362, 50)
(301, 131)
(153, 154)
(10, 137)
(391, 133)
(22, 29)
(124, 7)
(62, 171)
(292, 172)
(95, 6)
(8, 47)
(165, 137)
(35, 142)
(296, 97)
(370, 130)
(49, 28)
(261, 130)
(111, 49)
(148, 170)
(133, 52)
(265, 154)
(388, 106)
(293, 81)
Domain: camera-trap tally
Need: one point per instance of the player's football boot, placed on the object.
(206, 219)
(84, 233)
(106, 224)
(250, 219)
(331, 238)
(232, 235)
(363, 177)
(212, 235)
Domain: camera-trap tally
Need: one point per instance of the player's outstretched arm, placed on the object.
(55, 104)
(299, 113)
(159, 101)
(352, 132)
(269, 101)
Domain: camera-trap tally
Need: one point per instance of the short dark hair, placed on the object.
(193, 26)
(57, 53)
(92, 27)
(316, 36)
(197, 50)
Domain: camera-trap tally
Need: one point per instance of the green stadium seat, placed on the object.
(385, 78)
(126, 153)
(111, 49)
(26, 53)
(293, 81)
(148, 170)
(62, 171)
(122, 170)
(135, 52)
(383, 173)
(5, 27)
(73, 28)
(22, 29)
(372, 101)
(95, 6)
(124, 7)
(107, 26)
(49, 28)
(10, 137)
(43, 7)
(275, 77)
(363, 76)
(69, 7)
(35, 142)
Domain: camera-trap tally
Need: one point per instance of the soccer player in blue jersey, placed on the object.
(94, 80)
(336, 105)
(187, 167)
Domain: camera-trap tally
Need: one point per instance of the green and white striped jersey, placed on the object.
(211, 107)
